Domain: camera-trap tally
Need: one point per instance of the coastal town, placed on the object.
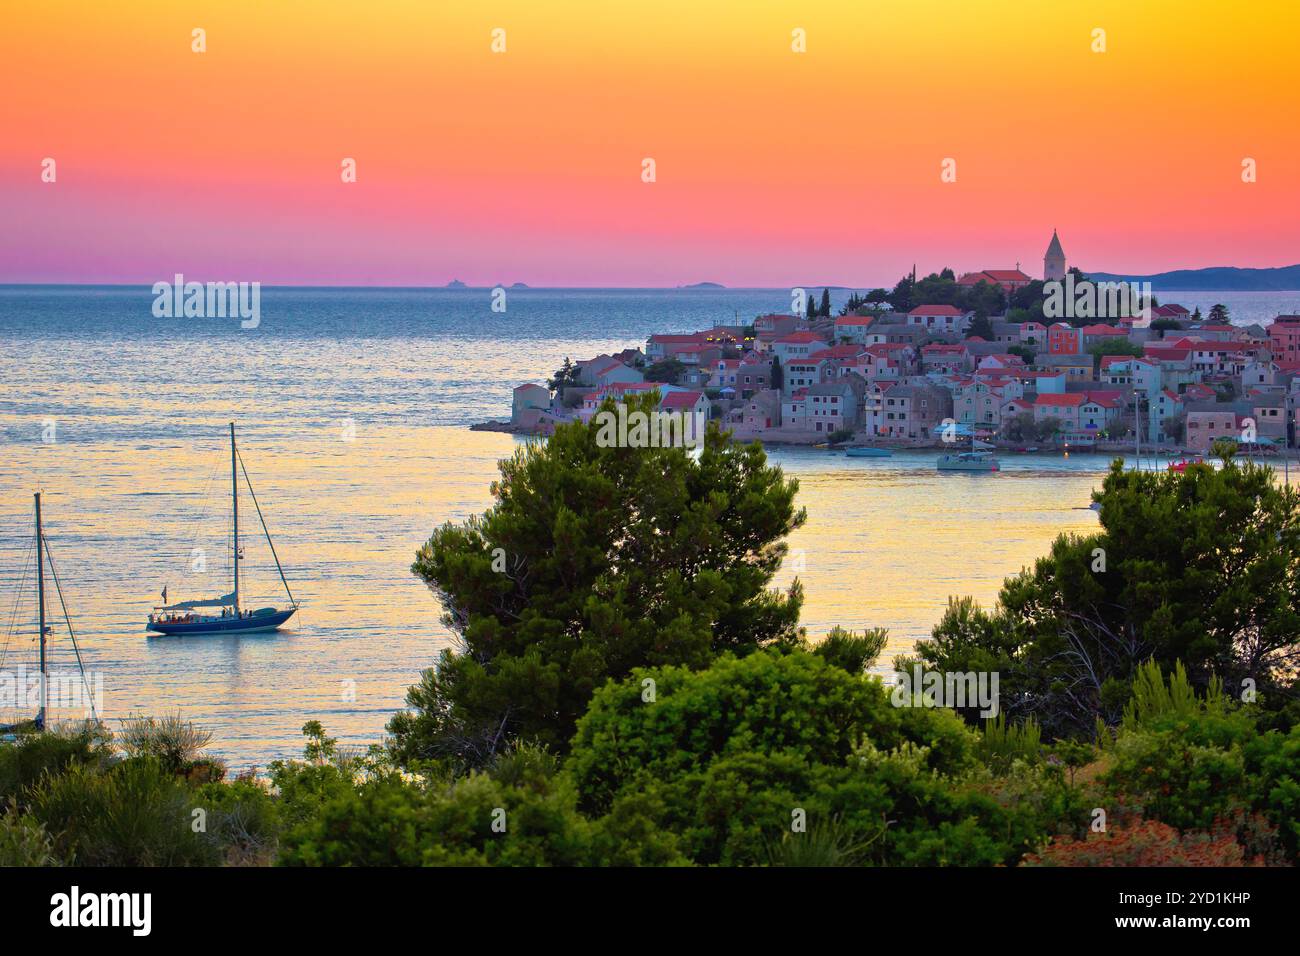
(950, 357)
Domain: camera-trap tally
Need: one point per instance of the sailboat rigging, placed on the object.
(181, 617)
(44, 556)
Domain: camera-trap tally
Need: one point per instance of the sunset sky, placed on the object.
(773, 168)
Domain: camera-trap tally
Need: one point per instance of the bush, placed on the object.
(32, 756)
(304, 787)
(850, 650)
(1145, 843)
(478, 821)
(134, 814)
(793, 702)
(174, 742)
(243, 822)
(1192, 761)
(782, 757)
(24, 842)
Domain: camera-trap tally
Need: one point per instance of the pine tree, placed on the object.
(593, 560)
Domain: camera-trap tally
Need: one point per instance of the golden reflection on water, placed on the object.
(887, 541)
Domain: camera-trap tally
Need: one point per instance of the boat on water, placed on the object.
(189, 617)
(1182, 463)
(968, 461)
(978, 458)
(865, 451)
(43, 559)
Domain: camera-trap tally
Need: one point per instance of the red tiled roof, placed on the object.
(936, 310)
(680, 400)
(855, 319)
(1007, 275)
(1072, 399)
(1108, 360)
(799, 338)
(1224, 346)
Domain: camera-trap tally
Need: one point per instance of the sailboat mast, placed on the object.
(234, 497)
(40, 604)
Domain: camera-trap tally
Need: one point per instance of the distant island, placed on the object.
(703, 285)
(1215, 279)
(456, 284)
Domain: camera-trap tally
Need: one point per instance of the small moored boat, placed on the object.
(968, 461)
(1181, 464)
(865, 451)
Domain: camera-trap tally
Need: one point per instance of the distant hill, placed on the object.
(703, 285)
(456, 284)
(1215, 279)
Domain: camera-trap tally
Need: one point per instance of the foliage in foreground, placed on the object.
(716, 734)
(1201, 567)
(777, 758)
(594, 561)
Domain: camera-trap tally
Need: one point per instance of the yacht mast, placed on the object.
(234, 497)
(40, 603)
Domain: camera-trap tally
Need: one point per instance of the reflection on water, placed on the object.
(885, 544)
(351, 409)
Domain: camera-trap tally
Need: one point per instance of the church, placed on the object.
(1054, 260)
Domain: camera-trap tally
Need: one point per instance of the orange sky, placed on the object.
(773, 167)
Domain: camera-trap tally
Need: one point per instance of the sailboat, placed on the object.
(185, 617)
(979, 458)
(44, 557)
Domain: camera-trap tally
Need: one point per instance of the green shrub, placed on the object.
(850, 650)
(1191, 761)
(476, 822)
(174, 742)
(24, 762)
(24, 842)
(768, 701)
(243, 821)
(782, 757)
(1003, 742)
(134, 814)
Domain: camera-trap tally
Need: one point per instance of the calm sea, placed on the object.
(352, 407)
